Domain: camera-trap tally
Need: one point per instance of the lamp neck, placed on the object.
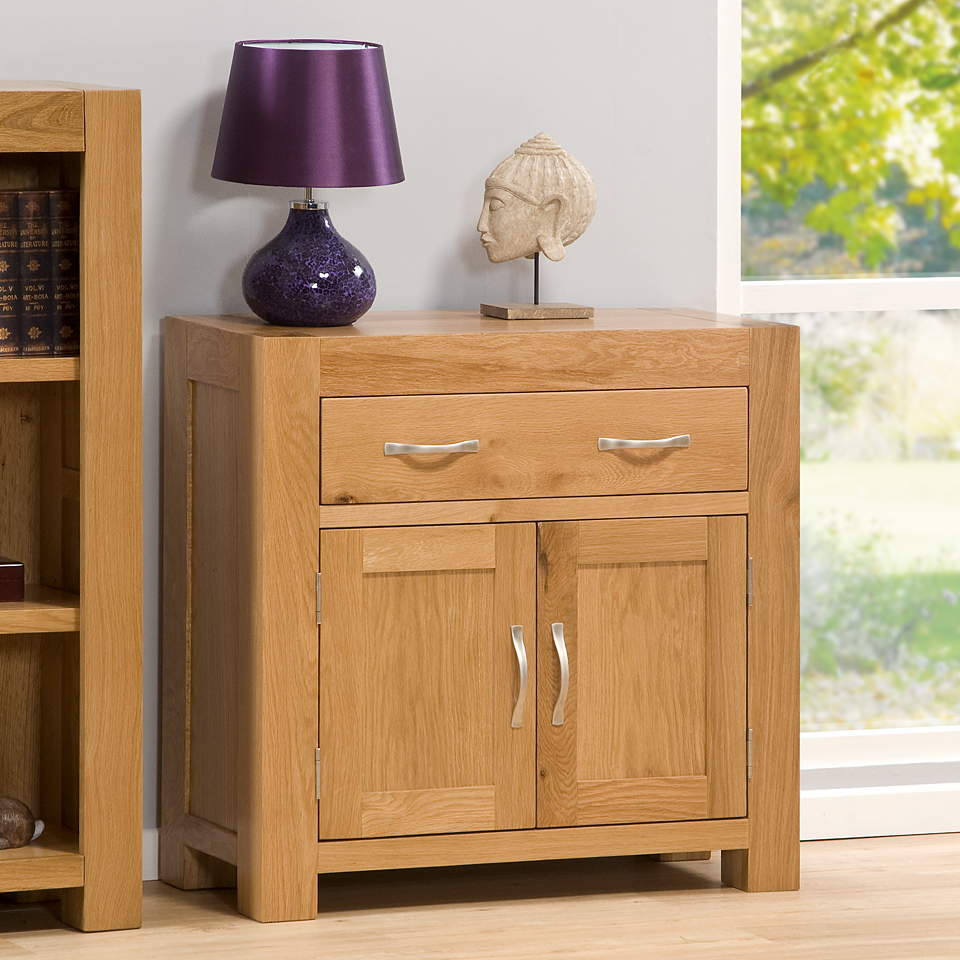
(308, 202)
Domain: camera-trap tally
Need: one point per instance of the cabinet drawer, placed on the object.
(532, 445)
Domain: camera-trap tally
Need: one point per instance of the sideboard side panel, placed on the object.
(772, 861)
(180, 865)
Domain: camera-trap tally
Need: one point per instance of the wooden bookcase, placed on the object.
(344, 687)
(71, 654)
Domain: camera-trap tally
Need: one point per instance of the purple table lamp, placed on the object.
(315, 112)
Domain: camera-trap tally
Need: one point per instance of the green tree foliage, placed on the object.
(844, 98)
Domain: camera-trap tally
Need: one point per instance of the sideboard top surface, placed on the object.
(398, 323)
(422, 352)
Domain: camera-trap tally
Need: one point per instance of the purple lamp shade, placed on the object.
(308, 113)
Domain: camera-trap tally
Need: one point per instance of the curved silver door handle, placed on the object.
(564, 674)
(517, 633)
(466, 446)
(610, 443)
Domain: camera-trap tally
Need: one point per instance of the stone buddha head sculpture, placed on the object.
(539, 199)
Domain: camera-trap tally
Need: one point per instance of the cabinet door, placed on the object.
(420, 677)
(653, 616)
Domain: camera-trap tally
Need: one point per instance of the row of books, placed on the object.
(39, 273)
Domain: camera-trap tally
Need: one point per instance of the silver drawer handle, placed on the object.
(517, 633)
(564, 674)
(467, 446)
(608, 443)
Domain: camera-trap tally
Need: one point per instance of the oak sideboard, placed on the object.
(444, 589)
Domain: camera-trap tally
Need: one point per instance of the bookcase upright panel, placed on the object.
(70, 510)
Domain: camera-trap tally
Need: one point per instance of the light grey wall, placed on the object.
(627, 86)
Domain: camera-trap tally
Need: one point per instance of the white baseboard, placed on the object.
(151, 853)
(880, 811)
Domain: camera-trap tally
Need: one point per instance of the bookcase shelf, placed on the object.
(44, 610)
(39, 369)
(51, 862)
(71, 653)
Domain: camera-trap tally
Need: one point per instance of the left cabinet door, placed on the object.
(423, 633)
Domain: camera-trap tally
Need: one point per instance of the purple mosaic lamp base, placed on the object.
(308, 275)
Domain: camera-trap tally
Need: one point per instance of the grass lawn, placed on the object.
(914, 505)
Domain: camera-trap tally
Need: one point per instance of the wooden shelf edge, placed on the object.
(37, 369)
(44, 610)
(51, 862)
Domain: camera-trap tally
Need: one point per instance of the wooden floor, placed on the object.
(872, 899)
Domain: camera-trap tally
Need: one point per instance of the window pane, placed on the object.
(880, 519)
(851, 138)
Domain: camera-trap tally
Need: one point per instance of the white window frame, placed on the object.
(864, 810)
(834, 296)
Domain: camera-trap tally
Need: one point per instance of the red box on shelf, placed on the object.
(11, 580)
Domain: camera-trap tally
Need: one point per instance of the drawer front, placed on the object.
(532, 445)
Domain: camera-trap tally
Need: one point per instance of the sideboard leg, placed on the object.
(277, 829)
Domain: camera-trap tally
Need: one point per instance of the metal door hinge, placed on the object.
(749, 581)
(318, 772)
(749, 753)
(318, 598)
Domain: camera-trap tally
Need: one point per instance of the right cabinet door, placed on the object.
(641, 648)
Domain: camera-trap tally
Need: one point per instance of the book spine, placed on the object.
(65, 271)
(36, 283)
(9, 275)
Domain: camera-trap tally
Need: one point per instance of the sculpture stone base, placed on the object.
(536, 311)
